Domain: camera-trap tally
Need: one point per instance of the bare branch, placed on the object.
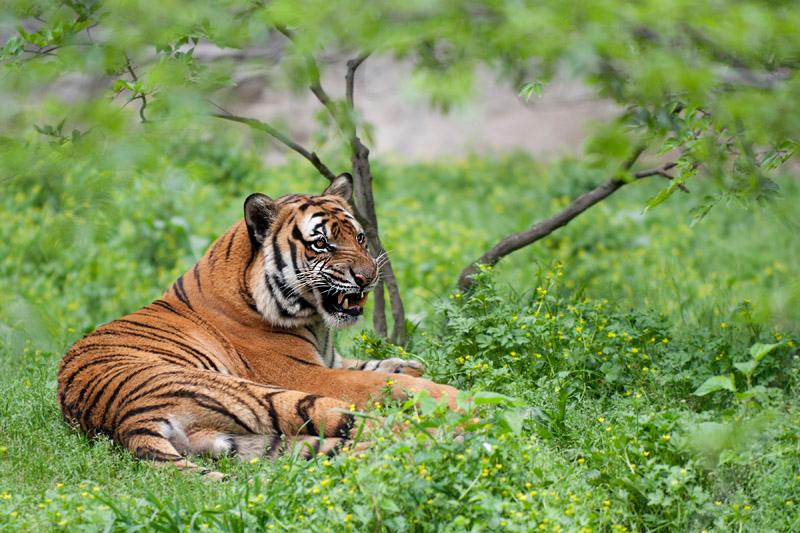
(352, 66)
(661, 171)
(544, 228)
(263, 126)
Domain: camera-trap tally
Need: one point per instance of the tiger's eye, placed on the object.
(360, 238)
(321, 243)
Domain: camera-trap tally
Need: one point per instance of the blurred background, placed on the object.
(481, 118)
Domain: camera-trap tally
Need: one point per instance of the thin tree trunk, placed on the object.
(365, 202)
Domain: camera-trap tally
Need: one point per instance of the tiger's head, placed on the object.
(315, 257)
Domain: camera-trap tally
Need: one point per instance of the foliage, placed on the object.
(583, 354)
(588, 442)
(715, 85)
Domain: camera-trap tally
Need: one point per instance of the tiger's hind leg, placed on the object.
(216, 443)
(148, 441)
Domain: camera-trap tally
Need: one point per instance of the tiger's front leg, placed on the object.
(393, 365)
(361, 388)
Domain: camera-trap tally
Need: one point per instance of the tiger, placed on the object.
(237, 356)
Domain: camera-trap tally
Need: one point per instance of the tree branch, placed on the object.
(352, 66)
(141, 96)
(263, 126)
(366, 212)
(364, 205)
(515, 241)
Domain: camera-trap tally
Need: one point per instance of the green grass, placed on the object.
(601, 333)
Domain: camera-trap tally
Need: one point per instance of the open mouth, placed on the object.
(348, 303)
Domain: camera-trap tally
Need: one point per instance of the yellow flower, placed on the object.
(611, 334)
(665, 437)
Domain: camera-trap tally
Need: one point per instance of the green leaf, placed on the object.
(531, 88)
(662, 195)
(493, 398)
(511, 421)
(759, 351)
(714, 384)
(746, 367)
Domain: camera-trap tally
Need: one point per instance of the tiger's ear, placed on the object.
(259, 213)
(342, 187)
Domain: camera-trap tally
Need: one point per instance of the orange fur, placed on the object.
(217, 366)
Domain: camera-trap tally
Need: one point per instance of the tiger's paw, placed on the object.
(395, 365)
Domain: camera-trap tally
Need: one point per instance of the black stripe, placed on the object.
(316, 445)
(345, 426)
(296, 336)
(214, 247)
(230, 245)
(152, 454)
(170, 308)
(142, 325)
(181, 293)
(301, 361)
(273, 446)
(298, 235)
(197, 277)
(141, 432)
(303, 407)
(276, 253)
(130, 413)
(273, 413)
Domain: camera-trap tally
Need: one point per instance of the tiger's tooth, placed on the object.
(340, 298)
(346, 303)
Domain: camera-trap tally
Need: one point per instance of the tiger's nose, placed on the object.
(361, 277)
(360, 280)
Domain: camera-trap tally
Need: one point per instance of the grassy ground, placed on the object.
(601, 333)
